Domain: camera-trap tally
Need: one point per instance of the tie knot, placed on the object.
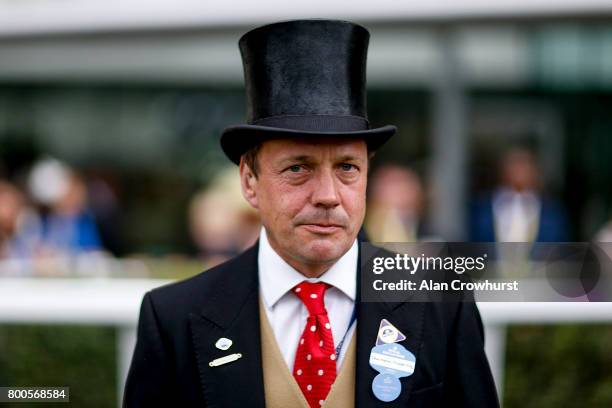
(312, 295)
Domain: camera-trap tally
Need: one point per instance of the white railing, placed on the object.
(88, 301)
(116, 302)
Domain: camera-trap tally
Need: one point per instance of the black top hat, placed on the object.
(304, 78)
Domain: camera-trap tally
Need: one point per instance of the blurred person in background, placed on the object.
(221, 223)
(517, 210)
(396, 204)
(68, 227)
(605, 233)
(103, 191)
(19, 224)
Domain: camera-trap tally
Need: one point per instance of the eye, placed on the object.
(295, 168)
(347, 167)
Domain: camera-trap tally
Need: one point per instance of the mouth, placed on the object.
(322, 228)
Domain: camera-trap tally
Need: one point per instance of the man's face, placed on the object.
(310, 197)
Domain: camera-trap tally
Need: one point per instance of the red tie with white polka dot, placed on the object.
(315, 358)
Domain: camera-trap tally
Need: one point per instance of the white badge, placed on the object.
(223, 343)
(388, 333)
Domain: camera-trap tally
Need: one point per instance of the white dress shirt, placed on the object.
(516, 215)
(286, 312)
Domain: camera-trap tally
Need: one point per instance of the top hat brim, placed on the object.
(237, 140)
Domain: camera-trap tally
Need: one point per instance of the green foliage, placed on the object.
(81, 357)
(558, 367)
(546, 366)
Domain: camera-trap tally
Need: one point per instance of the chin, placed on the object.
(324, 249)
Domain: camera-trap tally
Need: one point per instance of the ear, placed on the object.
(248, 182)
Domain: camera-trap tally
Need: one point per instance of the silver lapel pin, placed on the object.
(224, 360)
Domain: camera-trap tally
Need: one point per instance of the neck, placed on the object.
(308, 269)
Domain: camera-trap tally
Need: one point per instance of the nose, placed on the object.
(326, 192)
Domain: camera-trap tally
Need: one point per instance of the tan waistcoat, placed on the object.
(281, 389)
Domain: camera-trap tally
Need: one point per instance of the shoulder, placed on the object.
(190, 294)
(482, 201)
(459, 318)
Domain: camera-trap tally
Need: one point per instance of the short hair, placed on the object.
(250, 158)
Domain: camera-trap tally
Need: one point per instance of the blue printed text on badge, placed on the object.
(392, 359)
(386, 387)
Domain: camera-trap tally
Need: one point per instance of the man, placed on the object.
(282, 324)
(518, 210)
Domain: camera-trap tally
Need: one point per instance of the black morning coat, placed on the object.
(181, 322)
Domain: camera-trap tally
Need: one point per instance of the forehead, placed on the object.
(319, 148)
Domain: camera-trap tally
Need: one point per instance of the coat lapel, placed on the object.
(231, 310)
(408, 318)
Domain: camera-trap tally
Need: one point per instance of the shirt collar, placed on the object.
(277, 277)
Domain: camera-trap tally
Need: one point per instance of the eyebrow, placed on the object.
(303, 158)
(348, 157)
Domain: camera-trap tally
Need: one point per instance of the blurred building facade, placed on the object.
(143, 102)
